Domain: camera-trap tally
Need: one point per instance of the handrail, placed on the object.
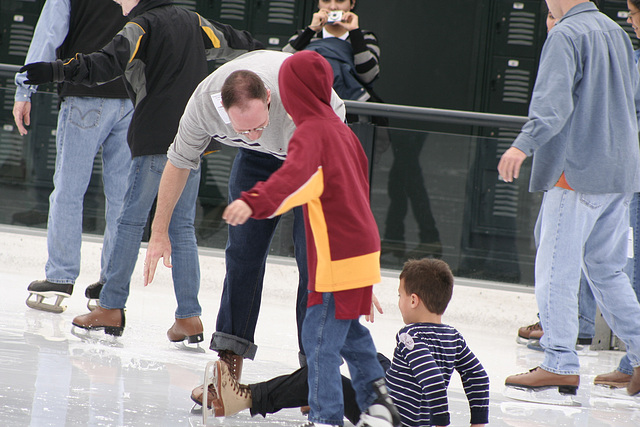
(395, 111)
(434, 114)
(10, 67)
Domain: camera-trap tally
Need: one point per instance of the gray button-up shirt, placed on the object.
(583, 116)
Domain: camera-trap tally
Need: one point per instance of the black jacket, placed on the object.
(162, 53)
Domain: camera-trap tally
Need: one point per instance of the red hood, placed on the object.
(305, 82)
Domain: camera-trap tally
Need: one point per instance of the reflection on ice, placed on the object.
(50, 377)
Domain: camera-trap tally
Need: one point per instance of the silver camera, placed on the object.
(334, 16)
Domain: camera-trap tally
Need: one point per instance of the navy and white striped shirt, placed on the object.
(424, 359)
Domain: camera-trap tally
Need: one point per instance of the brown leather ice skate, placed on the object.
(615, 379)
(111, 320)
(190, 329)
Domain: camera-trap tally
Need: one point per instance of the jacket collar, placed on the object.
(146, 5)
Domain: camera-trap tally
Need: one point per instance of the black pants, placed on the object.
(292, 391)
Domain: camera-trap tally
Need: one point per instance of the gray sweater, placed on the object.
(204, 118)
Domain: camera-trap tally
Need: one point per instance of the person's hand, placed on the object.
(349, 21)
(38, 73)
(374, 303)
(22, 115)
(510, 163)
(319, 20)
(159, 247)
(237, 213)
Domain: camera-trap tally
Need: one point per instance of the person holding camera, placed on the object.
(354, 54)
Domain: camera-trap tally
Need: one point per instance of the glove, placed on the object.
(43, 72)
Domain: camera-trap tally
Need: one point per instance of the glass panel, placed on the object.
(432, 194)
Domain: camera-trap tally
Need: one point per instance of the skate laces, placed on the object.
(230, 359)
(535, 327)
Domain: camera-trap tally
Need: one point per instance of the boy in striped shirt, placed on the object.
(426, 355)
(428, 351)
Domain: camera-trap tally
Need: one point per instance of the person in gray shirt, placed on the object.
(237, 105)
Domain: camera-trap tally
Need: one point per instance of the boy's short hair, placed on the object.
(241, 86)
(431, 280)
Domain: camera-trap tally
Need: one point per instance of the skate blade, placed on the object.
(184, 346)
(523, 341)
(38, 304)
(549, 396)
(211, 373)
(92, 304)
(585, 350)
(87, 336)
(602, 395)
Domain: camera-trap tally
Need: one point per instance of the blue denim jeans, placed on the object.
(246, 254)
(144, 180)
(632, 266)
(583, 233)
(85, 125)
(326, 341)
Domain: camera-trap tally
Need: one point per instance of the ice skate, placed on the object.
(228, 397)
(111, 320)
(382, 412)
(187, 332)
(93, 295)
(615, 379)
(528, 334)
(540, 386)
(41, 289)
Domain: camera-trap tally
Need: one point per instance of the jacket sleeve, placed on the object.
(299, 180)
(222, 41)
(109, 62)
(299, 40)
(366, 55)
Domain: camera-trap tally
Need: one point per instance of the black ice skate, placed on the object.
(93, 295)
(382, 413)
(41, 289)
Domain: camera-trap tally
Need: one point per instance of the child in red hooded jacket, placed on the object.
(326, 171)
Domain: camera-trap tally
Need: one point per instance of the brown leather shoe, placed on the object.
(531, 332)
(538, 378)
(111, 320)
(634, 384)
(615, 379)
(186, 329)
(233, 361)
(198, 392)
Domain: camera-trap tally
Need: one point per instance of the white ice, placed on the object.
(49, 377)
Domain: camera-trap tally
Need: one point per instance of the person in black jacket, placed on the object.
(162, 54)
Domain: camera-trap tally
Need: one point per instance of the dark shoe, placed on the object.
(538, 378)
(186, 329)
(634, 384)
(41, 289)
(426, 250)
(382, 411)
(92, 292)
(233, 361)
(615, 379)
(111, 320)
(531, 332)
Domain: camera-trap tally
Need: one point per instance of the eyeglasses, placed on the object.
(258, 129)
(630, 14)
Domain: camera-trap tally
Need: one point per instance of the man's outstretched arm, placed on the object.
(171, 186)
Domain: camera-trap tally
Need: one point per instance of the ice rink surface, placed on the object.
(50, 377)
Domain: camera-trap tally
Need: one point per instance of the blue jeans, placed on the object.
(246, 256)
(144, 180)
(632, 266)
(326, 341)
(586, 302)
(583, 233)
(85, 125)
